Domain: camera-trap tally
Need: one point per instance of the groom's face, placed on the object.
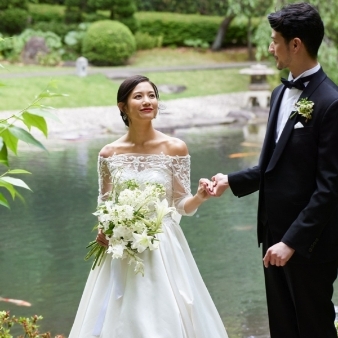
(280, 50)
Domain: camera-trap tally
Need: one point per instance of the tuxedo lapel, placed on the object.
(269, 140)
(307, 92)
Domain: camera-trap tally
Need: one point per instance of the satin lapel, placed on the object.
(307, 92)
(269, 140)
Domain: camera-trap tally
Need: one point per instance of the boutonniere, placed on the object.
(303, 107)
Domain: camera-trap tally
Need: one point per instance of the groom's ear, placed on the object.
(296, 44)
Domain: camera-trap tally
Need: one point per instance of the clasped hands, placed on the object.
(216, 186)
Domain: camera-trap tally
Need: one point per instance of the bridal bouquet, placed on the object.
(130, 217)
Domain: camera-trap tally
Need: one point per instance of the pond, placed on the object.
(43, 243)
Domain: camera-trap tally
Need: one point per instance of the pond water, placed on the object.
(43, 243)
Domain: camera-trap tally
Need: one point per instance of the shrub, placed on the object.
(146, 41)
(11, 48)
(73, 42)
(130, 22)
(108, 42)
(73, 15)
(176, 28)
(40, 12)
(4, 4)
(13, 20)
(50, 59)
(196, 43)
(91, 17)
(53, 41)
(124, 11)
(59, 28)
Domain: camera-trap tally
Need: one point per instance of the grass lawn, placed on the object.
(152, 58)
(186, 56)
(97, 90)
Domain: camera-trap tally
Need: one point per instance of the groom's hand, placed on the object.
(220, 184)
(278, 255)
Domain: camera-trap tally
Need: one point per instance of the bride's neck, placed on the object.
(141, 134)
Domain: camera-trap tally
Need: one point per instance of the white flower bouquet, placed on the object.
(130, 218)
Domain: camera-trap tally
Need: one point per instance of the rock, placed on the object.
(118, 75)
(33, 47)
(170, 88)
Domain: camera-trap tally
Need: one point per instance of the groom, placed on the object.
(297, 179)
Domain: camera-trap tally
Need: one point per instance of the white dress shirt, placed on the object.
(289, 99)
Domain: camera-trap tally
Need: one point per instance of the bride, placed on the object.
(171, 300)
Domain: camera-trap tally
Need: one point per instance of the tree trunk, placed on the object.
(217, 44)
(250, 49)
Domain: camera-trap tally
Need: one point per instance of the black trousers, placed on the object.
(299, 297)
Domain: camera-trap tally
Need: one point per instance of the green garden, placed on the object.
(122, 35)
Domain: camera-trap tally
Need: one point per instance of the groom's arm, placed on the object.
(244, 182)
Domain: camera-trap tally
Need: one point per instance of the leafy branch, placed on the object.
(29, 326)
(34, 115)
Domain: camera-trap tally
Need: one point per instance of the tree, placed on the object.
(328, 52)
(13, 16)
(248, 8)
(74, 10)
(120, 10)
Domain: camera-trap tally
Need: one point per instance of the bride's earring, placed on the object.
(124, 117)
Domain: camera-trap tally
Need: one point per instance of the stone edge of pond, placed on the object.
(93, 122)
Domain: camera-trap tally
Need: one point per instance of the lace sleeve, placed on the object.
(105, 185)
(181, 183)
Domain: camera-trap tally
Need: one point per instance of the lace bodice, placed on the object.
(171, 171)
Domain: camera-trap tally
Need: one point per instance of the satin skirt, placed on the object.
(170, 301)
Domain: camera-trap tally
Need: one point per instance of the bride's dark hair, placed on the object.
(126, 87)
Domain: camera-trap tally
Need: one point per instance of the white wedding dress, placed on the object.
(171, 300)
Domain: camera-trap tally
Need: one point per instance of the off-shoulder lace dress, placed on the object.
(171, 300)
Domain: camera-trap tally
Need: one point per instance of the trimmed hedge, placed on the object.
(13, 20)
(108, 43)
(176, 28)
(173, 27)
(47, 13)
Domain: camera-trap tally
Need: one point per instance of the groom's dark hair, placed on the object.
(299, 20)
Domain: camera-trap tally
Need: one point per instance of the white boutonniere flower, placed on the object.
(303, 107)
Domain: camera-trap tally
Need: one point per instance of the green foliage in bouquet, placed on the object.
(108, 43)
(130, 217)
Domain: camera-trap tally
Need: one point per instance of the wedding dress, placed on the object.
(171, 300)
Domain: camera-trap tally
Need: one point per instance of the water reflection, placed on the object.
(43, 244)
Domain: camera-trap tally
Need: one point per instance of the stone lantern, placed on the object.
(259, 90)
(81, 66)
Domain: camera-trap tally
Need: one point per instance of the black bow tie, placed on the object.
(299, 83)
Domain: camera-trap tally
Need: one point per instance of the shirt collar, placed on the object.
(306, 73)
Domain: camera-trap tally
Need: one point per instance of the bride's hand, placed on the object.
(204, 185)
(101, 239)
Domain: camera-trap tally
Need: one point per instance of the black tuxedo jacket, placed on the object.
(297, 178)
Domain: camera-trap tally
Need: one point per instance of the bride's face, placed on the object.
(142, 103)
